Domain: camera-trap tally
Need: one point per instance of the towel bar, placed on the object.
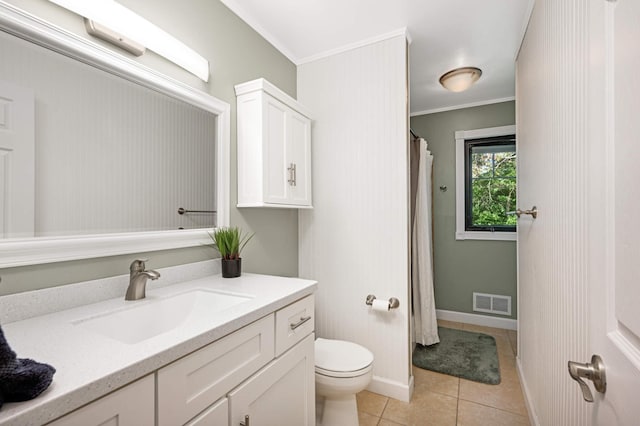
(182, 210)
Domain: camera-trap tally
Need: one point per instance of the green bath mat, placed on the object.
(465, 354)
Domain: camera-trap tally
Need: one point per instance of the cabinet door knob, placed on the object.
(246, 421)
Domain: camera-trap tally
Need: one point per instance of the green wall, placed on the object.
(462, 267)
(236, 54)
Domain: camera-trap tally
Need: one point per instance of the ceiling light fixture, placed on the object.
(460, 79)
(132, 26)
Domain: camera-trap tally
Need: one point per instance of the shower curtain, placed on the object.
(424, 307)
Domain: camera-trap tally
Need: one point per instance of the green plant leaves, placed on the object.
(230, 241)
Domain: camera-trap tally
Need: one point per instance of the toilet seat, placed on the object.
(343, 374)
(339, 358)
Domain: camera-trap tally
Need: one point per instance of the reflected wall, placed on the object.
(110, 155)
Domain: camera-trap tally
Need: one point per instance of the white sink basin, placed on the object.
(149, 318)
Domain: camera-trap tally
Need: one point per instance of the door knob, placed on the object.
(533, 212)
(593, 371)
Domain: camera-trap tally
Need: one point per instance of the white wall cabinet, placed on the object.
(274, 148)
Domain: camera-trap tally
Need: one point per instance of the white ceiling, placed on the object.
(445, 34)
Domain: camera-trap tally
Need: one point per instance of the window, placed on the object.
(490, 184)
(486, 183)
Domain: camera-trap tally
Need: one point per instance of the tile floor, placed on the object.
(442, 400)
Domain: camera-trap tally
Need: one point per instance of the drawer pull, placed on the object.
(299, 323)
(245, 422)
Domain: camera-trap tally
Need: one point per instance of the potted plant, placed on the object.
(230, 242)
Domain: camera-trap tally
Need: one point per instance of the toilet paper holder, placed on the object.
(393, 302)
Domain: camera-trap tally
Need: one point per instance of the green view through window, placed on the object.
(490, 190)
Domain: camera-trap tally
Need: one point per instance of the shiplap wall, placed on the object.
(552, 125)
(111, 156)
(355, 240)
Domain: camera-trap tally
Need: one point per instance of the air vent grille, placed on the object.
(492, 303)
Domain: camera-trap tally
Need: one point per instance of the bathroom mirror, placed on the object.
(117, 149)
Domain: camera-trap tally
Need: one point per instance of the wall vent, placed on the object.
(492, 303)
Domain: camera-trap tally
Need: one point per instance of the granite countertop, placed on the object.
(90, 365)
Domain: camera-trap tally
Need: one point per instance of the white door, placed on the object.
(578, 109)
(275, 153)
(299, 153)
(615, 259)
(282, 393)
(17, 162)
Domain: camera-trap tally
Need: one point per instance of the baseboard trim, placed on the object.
(533, 418)
(392, 389)
(484, 320)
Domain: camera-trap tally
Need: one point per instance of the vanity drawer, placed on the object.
(191, 384)
(293, 323)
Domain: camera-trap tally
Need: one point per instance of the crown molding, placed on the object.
(462, 106)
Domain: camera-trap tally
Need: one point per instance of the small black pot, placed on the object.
(231, 268)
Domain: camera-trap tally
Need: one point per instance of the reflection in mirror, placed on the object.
(136, 154)
(83, 151)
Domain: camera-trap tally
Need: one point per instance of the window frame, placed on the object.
(507, 140)
(461, 180)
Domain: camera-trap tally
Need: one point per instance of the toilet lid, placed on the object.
(340, 356)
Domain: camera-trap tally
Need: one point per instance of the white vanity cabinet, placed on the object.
(132, 405)
(264, 370)
(214, 364)
(274, 148)
(189, 385)
(246, 373)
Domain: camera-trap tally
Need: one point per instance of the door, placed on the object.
(282, 393)
(17, 162)
(275, 153)
(615, 270)
(299, 149)
(579, 163)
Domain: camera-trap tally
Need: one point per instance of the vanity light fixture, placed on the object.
(460, 79)
(100, 31)
(133, 27)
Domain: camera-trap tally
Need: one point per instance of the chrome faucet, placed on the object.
(138, 280)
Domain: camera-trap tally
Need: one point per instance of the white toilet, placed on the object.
(342, 370)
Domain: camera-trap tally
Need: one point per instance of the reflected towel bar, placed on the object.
(183, 211)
